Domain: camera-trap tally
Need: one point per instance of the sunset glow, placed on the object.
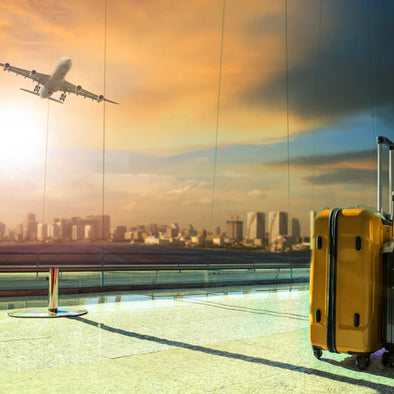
(329, 96)
(21, 140)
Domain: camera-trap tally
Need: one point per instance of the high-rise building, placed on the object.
(255, 225)
(295, 228)
(29, 230)
(139, 227)
(171, 232)
(78, 232)
(18, 232)
(234, 229)
(137, 236)
(189, 231)
(152, 228)
(66, 229)
(90, 232)
(75, 220)
(202, 233)
(42, 232)
(103, 227)
(277, 225)
(54, 231)
(12, 235)
(119, 233)
(80, 227)
(31, 217)
(175, 226)
(2, 230)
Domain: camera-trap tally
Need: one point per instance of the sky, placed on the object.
(291, 119)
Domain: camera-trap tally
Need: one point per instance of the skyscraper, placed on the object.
(101, 229)
(42, 232)
(103, 226)
(30, 228)
(295, 228)
(152, 228)
(54, 231)
(78, 232)
(234, 229)
(90, 232)
(255, 225)
(31, 217)
(2, 230)
(277, 225)
(66, 229)
(119, 233)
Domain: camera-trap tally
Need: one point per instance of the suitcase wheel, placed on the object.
(388, 359)
(362, 361)
(317, 352)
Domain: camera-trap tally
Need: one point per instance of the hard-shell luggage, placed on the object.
(346, 278)
(388, 305)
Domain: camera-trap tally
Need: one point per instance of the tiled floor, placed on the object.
(230, 341)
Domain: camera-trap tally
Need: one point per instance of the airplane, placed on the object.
(49, 84)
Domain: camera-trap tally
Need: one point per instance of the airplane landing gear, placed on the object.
(63, 97)
(37, 88)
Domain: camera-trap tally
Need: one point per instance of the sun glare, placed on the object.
(21, 138)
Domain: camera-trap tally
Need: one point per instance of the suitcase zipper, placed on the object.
(332, 280)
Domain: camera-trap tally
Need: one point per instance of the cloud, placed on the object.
(130, 206)
(204, 201)
(163, 66)
(167, 78)
(365, 159)
(345, 176)
(347, 72)
(311, 158)
(232, 174)
(182, 190)
(256, 193)
(334, 169)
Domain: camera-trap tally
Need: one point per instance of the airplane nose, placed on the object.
(68, 60)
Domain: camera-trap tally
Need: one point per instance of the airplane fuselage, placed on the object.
(57, 77)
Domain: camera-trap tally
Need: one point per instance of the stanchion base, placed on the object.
(47, 313)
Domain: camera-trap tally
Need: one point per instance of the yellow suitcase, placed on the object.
(346, 276)
(345, 282)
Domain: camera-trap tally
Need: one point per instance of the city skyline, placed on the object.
(99, 227)
(176, 149)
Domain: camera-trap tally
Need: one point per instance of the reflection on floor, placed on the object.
(248, 339)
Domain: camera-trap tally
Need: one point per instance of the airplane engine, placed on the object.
(100, 98)
(33, 73)
(78, 88)
(6, 66)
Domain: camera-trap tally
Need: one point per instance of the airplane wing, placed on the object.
(68, 87)
(32, 74)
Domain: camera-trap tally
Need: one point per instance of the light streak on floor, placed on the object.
(226, 340)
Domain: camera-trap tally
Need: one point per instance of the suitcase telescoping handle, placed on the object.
(385, 141)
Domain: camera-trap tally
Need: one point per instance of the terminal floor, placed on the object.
(232, 340)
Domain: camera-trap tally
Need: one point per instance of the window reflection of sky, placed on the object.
(160, 140)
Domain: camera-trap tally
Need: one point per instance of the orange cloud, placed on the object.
(162, 65)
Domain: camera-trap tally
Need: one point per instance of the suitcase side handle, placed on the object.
(380, 142)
